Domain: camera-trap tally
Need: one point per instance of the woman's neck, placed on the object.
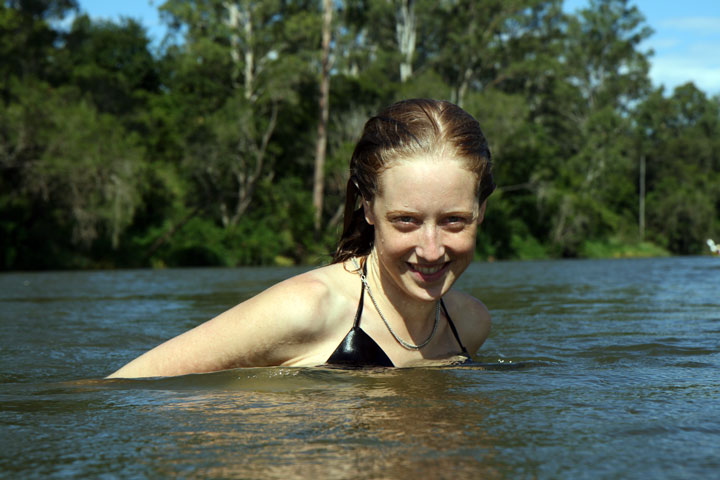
(411, 316)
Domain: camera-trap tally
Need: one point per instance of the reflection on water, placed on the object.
(594, 369)
(332, 424)
(267, 423)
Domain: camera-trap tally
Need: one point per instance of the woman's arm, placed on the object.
(275, 327)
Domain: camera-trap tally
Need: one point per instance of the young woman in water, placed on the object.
(419, 181)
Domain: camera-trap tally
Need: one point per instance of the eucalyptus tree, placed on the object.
(71, 177)
(388, 36)
(593, 193)
(478, 42)
(679, 136)
(28, 38)
(79, 177)
(239, 65)
(324, 113)
(113, 64)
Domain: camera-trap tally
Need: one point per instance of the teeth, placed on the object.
(428, 270)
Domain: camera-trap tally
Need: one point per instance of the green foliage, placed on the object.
(274, 234)
(679, 138)
(528, 248)
(201, 153)
(615, 247)
(70, 162)
(111, 64)
(27, 40)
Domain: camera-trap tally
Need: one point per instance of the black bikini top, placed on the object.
(358, 349)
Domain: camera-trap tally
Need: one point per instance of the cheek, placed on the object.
(463, 242)
(391, 242)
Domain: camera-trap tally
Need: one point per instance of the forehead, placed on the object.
(428, 182)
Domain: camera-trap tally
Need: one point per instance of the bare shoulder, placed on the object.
(287, 324)
(471, 318)
(296, 304)
(293, 320)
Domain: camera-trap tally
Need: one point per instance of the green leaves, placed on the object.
(679, 136)
(202, 152)
(86, 187)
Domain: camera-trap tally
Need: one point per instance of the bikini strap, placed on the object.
(452, 327)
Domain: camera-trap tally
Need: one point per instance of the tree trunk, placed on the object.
(405, 30)
(233, 22)
(237, 19)
(324, 107)
(249, 176)
(249, 55)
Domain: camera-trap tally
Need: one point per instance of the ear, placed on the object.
(481, 213)
(369, 216)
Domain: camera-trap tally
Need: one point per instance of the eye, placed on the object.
(456, 222)
(404, 222)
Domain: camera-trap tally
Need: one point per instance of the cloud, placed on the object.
(696, 25)
(686, 51)
(672, 71)
(662, 43)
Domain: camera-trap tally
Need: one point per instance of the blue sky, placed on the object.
(686, 41)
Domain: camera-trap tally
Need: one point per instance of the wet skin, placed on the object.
(426, 217)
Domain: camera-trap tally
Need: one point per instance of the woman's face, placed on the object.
(426, 217)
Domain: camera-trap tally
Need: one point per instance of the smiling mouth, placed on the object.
(428, 269)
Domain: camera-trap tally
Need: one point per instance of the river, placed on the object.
(594, 369)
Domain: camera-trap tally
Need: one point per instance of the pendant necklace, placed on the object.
(407, 345)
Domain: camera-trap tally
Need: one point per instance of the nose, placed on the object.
(430, 245)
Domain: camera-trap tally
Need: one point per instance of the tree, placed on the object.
(473, 40)
(238, 66)
(679, 138)
(594, 191)
(79, 186)
(324, 108)
(406, 33)
(112, 63)
(27, 39)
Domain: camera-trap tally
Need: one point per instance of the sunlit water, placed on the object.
(594, 369)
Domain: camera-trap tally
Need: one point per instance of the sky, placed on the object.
(686, 42)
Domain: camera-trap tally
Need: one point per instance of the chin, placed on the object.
(434, 291)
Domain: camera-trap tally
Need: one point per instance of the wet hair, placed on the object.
(407, 129)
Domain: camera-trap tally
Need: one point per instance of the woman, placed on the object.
(419, 181)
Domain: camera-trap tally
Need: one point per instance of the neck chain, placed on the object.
(407, 345)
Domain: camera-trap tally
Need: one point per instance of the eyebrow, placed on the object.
(471, 213)
(401, 212)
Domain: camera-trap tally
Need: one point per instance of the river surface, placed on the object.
(594, 369)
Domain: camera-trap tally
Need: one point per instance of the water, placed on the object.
(594, 369)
